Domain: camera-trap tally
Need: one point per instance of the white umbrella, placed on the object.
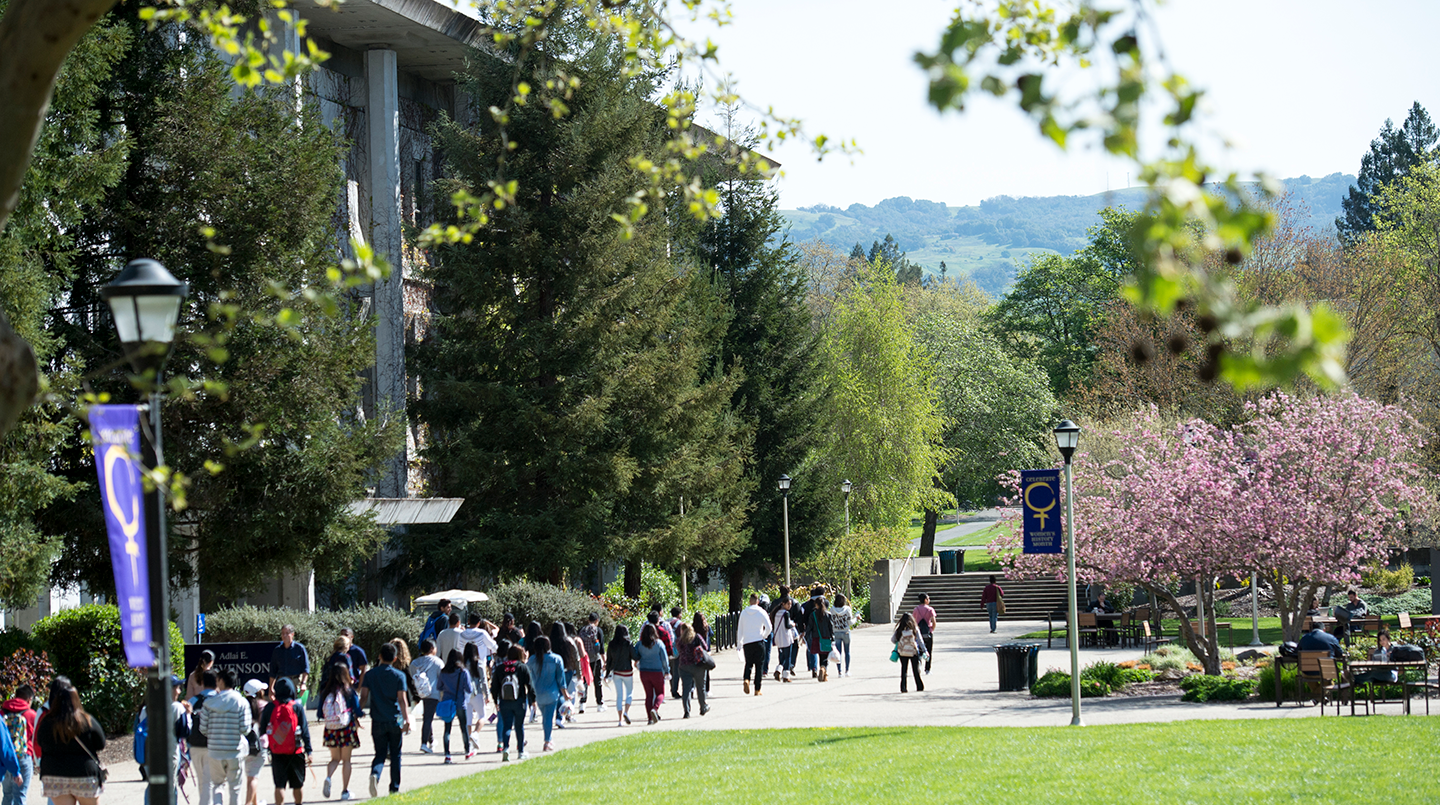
(455, 596)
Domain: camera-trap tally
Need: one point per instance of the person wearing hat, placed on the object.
(257, 693)
(283, 723)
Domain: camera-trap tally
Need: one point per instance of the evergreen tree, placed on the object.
(265, 180)
(568, 395)
(771, 343)
(857, 253)
(1392, 156)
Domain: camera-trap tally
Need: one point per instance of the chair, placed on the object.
(1125, 629)
(1332, 682)
(1425, 684)
(1310, 673)
(1309, 625)
(1088, 625)
(1152, 641)
(1407, 626)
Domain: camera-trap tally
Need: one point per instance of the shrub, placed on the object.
(1113, 676)
(1388, 581)
(1416, 599)
(657, 589)
(25, 667)
(1223, 609)
(1202, 688)
(1057, 683)
(546, 603)
(1265, 683)
(13, 639)
(84, 644)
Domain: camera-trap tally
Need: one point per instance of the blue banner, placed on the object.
(115, 430)
(1040, 501)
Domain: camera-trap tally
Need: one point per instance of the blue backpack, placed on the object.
(432, 627)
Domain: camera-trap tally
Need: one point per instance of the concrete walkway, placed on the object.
(962, 690)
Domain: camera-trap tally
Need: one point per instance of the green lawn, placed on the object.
(917, 530)
(1240, 625)
(1313, 760)
(981, 537)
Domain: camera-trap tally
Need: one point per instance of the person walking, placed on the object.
(225, 719)
(291, 661)
(425, 672)
(449, 638)
(70, 741)
(594, 639)
(563, 647)
(437, 621)
(819, 635)
(654, 663)
(702, 630)
(585, 679)
(910, 647)
(199, 742)
(990, 598)
(620, 665)
(925, 621)
(287, 730)
(475, 706)
(689, 647)
(673, 624)
(340, 708)
(194, 682)
(19, 717)
(257, 754)
(339, 653)
(456, 687)
(750, 632)
(384, 692)
(509, 631)
(511, 689)
(547, 675)
(359, 660)
(784, 636)
(841, 619)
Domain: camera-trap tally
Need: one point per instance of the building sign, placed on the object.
(248, 660)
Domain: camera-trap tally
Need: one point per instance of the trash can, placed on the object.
(960, 561)
(1017, 663)
(1034, 666)
(947, 562)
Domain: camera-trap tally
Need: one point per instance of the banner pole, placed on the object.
(160, 751)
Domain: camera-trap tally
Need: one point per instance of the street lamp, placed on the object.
(1067, 438)
(845, 487)
(784, 484)
(145, 302)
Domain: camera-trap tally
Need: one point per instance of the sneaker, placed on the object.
(344, 796)
(505, 756)
(374, 786)
(448, 761)
(747, 685)
(625, 716)
(524, 756)
(582, 708)
(325, 788)
(705, 709)
(470, 754)
(549, 747)
(499, 748)
(651, 722)
(757, 691)
(427, 749)
(777, 674)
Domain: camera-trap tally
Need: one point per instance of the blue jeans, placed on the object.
(549, 711)
(624, 691)
(386, 735)
(842, 645)
(512, 717)
(765, 666)
(993, 608)
(15, 793)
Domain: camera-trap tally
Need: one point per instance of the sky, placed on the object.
(1300, 88)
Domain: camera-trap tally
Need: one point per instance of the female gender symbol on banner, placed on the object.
(116, 433)
(115, 487)
(1041, 535)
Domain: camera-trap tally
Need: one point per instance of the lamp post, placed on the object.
(784, 484)
(145, 302)
(845, 487)
(1254, 612)
(1067, 438)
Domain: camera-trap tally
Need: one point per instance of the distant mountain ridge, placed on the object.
(983, 241)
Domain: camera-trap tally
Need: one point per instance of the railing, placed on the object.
(910, 557)
(723, 629)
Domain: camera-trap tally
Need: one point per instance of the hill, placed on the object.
(984, 242)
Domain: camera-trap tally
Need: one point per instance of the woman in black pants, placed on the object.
(911, 649)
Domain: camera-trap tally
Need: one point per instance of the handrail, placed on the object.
(910, 557)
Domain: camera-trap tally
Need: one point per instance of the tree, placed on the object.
(772, 344)
(881, 424)
(1392, 156)
(265, 372)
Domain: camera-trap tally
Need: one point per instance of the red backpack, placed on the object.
(284, 730)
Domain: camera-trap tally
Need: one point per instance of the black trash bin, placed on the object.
(1034, 665)
(1012, 660)
(947, 562)
(960, 561)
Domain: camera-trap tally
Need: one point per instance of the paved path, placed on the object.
(961, 691)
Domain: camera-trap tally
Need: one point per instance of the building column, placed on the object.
(383, 116)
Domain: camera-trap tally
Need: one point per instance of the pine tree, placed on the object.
(858, 253)
(265, 180)
(1392, 155)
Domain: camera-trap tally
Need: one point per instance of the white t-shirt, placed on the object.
(482, 640)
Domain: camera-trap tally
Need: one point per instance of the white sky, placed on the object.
(1301, 86)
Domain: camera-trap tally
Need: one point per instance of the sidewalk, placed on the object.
(962, 690)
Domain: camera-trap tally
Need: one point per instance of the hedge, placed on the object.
(84, 644)
(546, 603)
(373, 625)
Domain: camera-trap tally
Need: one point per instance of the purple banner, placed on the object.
(115, 430)
(1040, 499)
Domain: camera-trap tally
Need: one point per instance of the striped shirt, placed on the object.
(225, 719)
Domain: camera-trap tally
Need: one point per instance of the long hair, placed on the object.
(453, 662)
(540, 646)
(402, 654)
(66, 712)
(472, 659)
(698, 624)
(685, 634)
(621, 640)
(532, 631)
(648, 635)
(337, 682)
(560, 644)
(907, 621)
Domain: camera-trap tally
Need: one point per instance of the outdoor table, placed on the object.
(1109, 623)
(1361, 666)
(1282, 659)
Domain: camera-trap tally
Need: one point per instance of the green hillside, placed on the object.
(985, 241)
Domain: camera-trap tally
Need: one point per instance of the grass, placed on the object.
(1311, 760)
(916, 530)
(981, 537)
(1270, 633)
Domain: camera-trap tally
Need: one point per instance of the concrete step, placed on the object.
(956, 596)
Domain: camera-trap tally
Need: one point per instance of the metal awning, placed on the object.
(408, 511)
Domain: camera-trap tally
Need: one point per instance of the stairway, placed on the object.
(956, 597)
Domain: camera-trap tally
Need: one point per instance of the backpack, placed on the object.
(432, 627)
(336, 710)
(284, 730)
(197, 737)
(509, 681)
(19, 733)
(1404, 653)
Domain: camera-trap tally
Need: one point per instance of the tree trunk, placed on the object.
(736, 584)
(1206, 651)
(927, 537)
(19, 376)
(632, 578)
